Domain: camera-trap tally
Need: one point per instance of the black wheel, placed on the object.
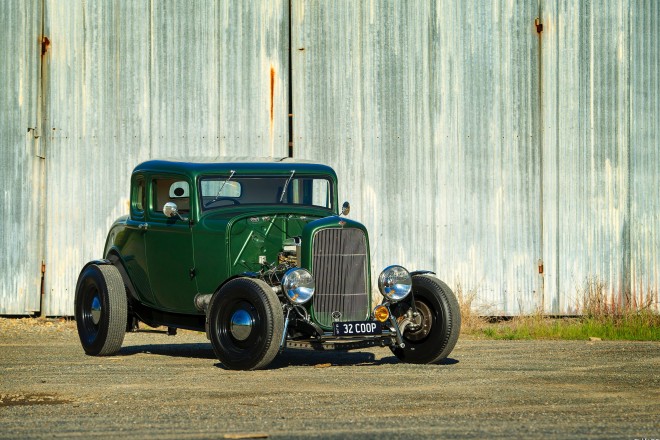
(245, 324)
(433, 333)
(101, 310)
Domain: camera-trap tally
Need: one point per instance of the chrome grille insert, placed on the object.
(339, 258)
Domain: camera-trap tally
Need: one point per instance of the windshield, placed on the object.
(219, 191)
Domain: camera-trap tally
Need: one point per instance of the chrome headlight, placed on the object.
(395, 283)
(298, 285)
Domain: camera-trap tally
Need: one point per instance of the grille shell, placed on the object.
(340, 268)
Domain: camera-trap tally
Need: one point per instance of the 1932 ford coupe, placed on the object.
(257, 255)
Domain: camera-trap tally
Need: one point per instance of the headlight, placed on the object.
(298, 285)
(395, 283)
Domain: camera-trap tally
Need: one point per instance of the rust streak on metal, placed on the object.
(272, 92)
(539, 25)
(45, 44)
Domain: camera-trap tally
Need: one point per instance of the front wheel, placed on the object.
(246, 323)
(433, 333)
(101, 310)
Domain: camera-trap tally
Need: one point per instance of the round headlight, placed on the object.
(298, 285)
(395, 283)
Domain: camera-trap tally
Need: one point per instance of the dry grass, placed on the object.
(595, 302)
(471, 321)
(600, 314)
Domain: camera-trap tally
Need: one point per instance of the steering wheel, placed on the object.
(222, 199)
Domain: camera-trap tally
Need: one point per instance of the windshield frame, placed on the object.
(283, 176)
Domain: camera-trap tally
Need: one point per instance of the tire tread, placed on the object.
(424, 353)
(118, 310)
(110, 335)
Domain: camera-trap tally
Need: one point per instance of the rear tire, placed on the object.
(435, 337)
(101, 309)
(245, 324)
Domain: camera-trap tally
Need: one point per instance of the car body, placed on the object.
(257, 254)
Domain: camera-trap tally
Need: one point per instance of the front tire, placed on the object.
(101, 310)
(245, 324)
(436, 333)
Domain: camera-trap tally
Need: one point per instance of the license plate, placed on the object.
(357, 328)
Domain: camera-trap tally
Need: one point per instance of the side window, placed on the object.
(310, 191)
(170, 189)
(320, 193)
(139, 197)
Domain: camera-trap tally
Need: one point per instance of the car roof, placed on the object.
(225, 164)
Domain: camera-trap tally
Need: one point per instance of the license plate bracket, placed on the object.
(357, 328)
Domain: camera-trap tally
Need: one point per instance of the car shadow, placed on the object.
(325, 359)
(289, 358)
(196, 350)
(320, 359)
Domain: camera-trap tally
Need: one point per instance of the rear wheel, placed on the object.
(101, 310)
(245, 324)
(433, 333)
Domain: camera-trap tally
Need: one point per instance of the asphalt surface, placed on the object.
(172, 387)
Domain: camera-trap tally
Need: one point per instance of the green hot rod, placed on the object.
(257, 255)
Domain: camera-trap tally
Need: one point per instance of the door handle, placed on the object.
(143, 226)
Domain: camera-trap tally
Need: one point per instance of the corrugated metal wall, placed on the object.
(467, 144)
(644, 144)
(21, 170)
(601, 156)
(429, 112)
(137, 80)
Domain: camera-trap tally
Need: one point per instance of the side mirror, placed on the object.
(171, 210)
(345, 208)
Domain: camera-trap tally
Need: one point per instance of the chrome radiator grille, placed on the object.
(339, 258)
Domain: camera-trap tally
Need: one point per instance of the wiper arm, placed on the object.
(231, 174)
(286, 185)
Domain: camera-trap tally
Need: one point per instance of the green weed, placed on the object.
(599, 315)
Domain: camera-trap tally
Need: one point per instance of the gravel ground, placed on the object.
(163, 386)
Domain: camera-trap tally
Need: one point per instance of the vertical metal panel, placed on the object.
(135, 80)
(644, 147)
(429, 113)
(601, 150)
(21, 171)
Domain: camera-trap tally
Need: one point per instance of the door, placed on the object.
(133, 249)
(169, 245)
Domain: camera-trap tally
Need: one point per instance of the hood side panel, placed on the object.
(254, 239)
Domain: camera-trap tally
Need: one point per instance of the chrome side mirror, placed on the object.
(345, 208)
(171, 210)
